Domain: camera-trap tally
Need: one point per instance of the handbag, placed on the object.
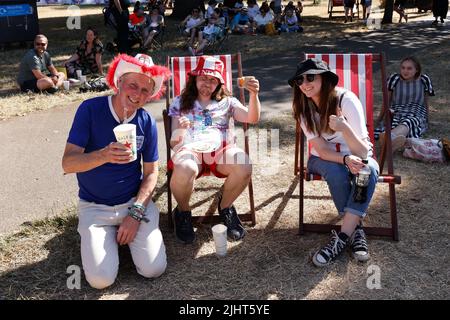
(426, 150)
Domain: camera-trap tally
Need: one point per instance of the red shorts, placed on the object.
(208, 162)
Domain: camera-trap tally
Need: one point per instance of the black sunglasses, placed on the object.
(40, 44)
(301, 79)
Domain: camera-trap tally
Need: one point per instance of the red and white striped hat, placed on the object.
(142, 64)
(209, 66)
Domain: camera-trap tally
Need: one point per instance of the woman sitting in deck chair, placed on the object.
(206, 104)
(332, 120)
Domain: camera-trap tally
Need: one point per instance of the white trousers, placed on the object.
(98, 225)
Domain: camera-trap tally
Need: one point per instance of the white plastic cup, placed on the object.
(242, 81)
(66, 85)
(220, 239)
(126, 134)
(82, 79)
(79, 74)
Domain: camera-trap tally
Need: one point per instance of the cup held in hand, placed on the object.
(126, 134)
(220, 239)
(242, 81)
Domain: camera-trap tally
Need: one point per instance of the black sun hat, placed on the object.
(313, 66)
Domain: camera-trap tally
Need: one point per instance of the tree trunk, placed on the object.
(182, 8)
(388, 12)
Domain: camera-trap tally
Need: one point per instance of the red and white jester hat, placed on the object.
(142, 64)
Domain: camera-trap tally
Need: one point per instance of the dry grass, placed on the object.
(273, 262)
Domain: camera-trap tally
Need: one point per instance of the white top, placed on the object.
(192, 22)
(352, 110)
(262, 21)
(253, 11)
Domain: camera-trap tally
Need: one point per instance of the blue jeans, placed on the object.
(341, 183)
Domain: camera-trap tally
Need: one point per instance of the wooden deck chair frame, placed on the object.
(339, 3)
(173, 89)
(367, 61)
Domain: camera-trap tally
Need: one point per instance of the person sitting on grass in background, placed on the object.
(290, 22)
(37, 72)
(262, 19)
(116, 181)
(88, 56)
(205, 102)
(241, 22)
(333, 122)
(408, 98)
(253, 9)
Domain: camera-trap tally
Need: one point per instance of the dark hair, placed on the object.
(416, 63)
(304, 107)
(190, 94)
(96, 39)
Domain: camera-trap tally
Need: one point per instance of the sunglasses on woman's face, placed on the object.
(301, 79)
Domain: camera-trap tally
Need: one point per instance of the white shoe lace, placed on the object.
(359, 240)
(333, 248)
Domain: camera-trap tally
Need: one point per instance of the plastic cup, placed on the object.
(66, 85)
(220, 239)
(79, 74)
(126, 134)
(83, 79)
(242, 81)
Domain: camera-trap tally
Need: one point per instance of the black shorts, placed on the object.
(30, 85)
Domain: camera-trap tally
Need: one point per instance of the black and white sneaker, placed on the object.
(358, 244)
(235, 229)
(332, 250)
(184, 231)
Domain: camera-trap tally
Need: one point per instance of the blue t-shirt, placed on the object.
(92, 129)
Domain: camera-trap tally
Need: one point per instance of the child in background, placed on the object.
(408, 92)
(290, 22)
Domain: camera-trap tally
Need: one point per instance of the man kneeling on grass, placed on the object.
(115, 206)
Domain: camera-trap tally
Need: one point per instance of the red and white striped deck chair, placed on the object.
(180, 67)
(355, 74)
